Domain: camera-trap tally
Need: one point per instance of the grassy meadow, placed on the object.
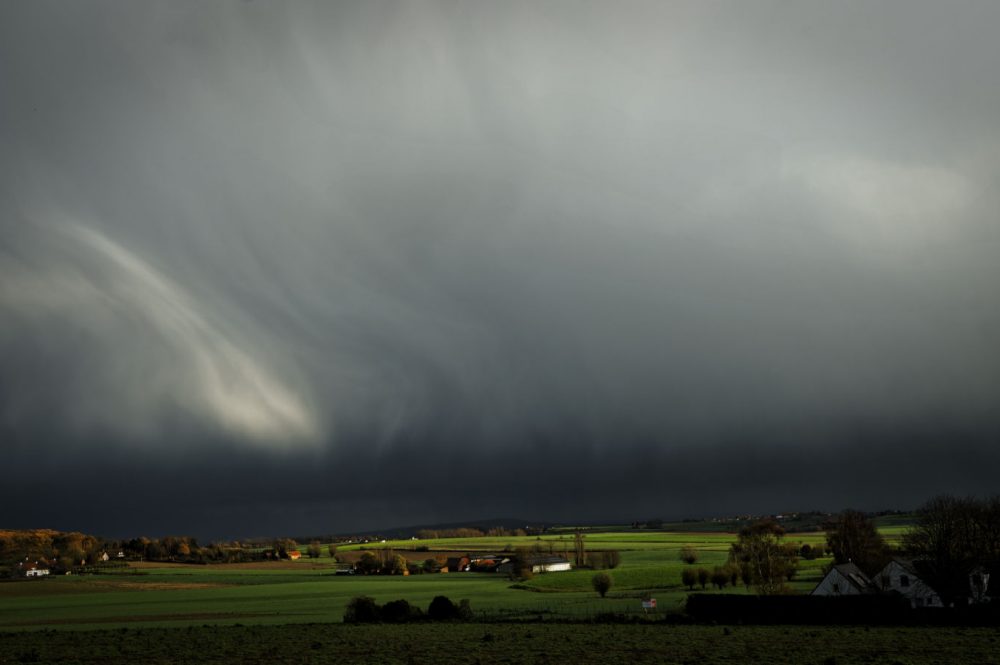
(291, 611)
(307, 591)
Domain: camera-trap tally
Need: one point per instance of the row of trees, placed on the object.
(363, 609)
(720, 577)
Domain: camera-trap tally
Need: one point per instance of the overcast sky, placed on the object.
(313, 267)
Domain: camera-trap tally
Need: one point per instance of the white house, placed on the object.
(844, 579)
(36, 572)
(540, 564)
(911, 579)
(550, 564)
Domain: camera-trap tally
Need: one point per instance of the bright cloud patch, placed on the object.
(883, 202)
(111, 292)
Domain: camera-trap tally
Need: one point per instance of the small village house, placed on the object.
(913, 580)
(844, 579)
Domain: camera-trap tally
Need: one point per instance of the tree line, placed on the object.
(953, 533)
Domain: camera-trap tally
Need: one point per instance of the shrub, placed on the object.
(601, 583)
(688, 555)
(611, 558)
(397, 611)
(362, 609)
(442, 609)
(703, 577)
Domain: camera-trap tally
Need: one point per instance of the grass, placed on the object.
(307, 592)
(510, 644)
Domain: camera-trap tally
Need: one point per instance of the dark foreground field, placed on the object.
(505, 643)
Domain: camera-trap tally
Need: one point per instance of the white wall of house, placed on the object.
(836, 584)
(895, 577)
(551, 567)
(36, 572)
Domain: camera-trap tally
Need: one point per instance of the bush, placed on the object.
(362, 609)
(601, 583)
(703, 577)
(688, 555)
(397, 611)
(442, 609)
(611, 558)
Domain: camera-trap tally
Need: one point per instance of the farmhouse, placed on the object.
(36, 572)
(844, 579)
(294, 555)
(913, 580)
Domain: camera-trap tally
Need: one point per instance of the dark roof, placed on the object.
(540, 560)
(854, 575)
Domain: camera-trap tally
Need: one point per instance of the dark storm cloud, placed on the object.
(309, 264)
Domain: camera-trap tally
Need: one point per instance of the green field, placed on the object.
(292, 612)
(308, 592)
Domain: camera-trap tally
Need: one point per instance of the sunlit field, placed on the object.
(307, 591)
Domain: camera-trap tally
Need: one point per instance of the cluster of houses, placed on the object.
(917, 581)
(41, 567)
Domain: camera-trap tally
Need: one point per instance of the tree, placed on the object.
(956, 532)
(368, 564)
(720, 577)
(579, 550)
(703, 577)
(762, 558)
(688, 554)
(430, 565)
(314, 551)
(852, 537)
(689, 577)
(332, 550)
(601, 583)
(521, 568)
(396, 565)
(611, 558)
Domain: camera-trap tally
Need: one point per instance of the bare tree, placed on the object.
(580, 552)
(851, 536)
